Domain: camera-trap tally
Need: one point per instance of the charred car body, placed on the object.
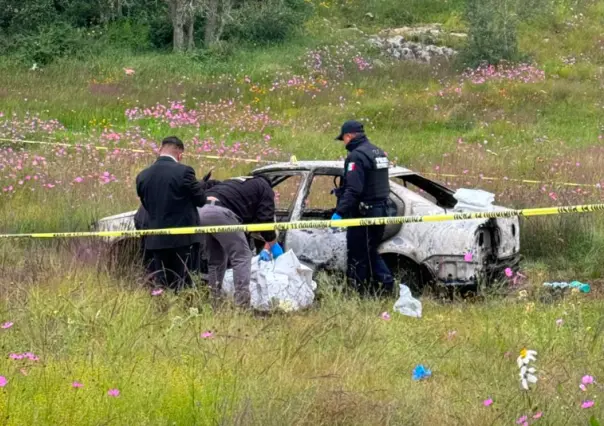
(452, 253)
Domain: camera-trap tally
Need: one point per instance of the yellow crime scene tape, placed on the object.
(530, 181)
(313, 224)
(142, 151)
(259, 161)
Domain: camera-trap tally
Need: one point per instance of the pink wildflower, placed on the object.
(487, 402)
(78, 180)
(538, 415)
(3, 381)
(6, 325)
(522, 420)
(113, 392)
(77, 385)
(157, 292)
(468, 257)
(385, 316)
(583, 387)
(509, 272)
(587, 380)
(207, 335)
(587, 404)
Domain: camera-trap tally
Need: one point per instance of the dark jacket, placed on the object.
(250, 198)
(365, 177)
(170, 194)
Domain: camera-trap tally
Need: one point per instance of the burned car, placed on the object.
(452, 253)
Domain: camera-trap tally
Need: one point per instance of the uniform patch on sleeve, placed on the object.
(381, 163)
(352, 167)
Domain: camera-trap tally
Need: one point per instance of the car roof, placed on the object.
(330, 167)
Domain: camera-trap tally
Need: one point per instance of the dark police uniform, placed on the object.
(364, 193)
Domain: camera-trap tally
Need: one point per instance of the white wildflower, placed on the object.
(527, 372)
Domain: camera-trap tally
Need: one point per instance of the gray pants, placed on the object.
(221, 248)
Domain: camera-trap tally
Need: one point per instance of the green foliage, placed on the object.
(390, 13)
(268, 22)
(26, 16)
(492, 35)
(129, 34)
(49, 43)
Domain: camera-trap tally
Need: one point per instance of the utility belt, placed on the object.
(365, 207)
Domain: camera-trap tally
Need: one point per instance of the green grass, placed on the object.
(337, 363)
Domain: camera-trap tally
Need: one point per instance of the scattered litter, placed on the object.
(473, 200)
(283, 284)
(582, 287)
(420, 372)
(407, 305)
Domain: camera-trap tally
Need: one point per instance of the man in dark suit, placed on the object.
(170, 193)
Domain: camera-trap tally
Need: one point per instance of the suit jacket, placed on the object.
(170, 194)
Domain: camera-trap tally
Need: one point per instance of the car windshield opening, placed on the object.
(438, 194)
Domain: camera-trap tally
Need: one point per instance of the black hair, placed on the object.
(173, 141)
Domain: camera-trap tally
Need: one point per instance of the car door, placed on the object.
(320, 248)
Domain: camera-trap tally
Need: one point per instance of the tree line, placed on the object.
(41, 30)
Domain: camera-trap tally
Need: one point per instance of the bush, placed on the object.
(127, 34)
(51, 42)
(26, 16)
(492, 35)
(268, 22)
(160, 32)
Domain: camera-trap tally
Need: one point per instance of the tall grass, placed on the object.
(340, 364)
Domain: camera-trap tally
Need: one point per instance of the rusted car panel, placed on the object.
(440, 248)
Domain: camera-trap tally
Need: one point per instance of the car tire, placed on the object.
(405, 271)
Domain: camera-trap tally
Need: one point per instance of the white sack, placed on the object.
(473, 200)
(407, 305)
(285, 284)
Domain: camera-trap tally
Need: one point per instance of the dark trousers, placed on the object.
(172, 267)
(366, 270)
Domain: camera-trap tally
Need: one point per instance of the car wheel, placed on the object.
(405, 271)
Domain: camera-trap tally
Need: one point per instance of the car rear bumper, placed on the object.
(455, 271)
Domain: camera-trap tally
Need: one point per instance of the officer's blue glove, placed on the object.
(276, 250)
(265, 256)
(335, 217)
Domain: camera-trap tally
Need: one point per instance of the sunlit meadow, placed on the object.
(82, 344)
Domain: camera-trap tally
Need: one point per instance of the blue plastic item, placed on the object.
(583, 288)
(420, 372)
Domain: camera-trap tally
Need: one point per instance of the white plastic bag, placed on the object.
(407, 305)
(473, 200)
(284, 284)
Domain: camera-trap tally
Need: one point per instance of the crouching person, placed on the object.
(232, 202)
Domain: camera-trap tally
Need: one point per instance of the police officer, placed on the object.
(363, 193)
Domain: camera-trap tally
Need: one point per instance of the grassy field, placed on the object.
(339, 363)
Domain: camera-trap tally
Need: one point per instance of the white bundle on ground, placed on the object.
(473, 200)
(283, 284)
(407, 304)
